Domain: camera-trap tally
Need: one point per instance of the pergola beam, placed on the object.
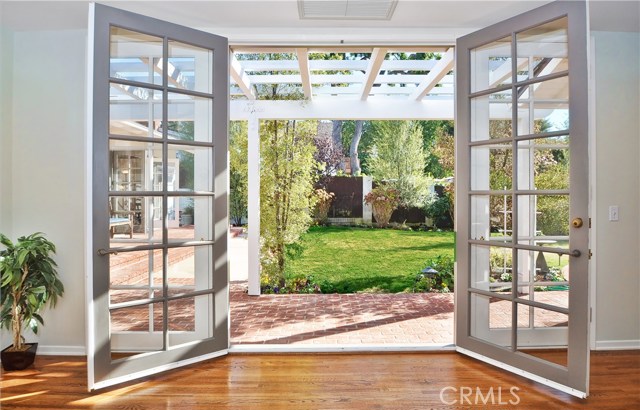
(240, 77)
(373, 69)
(444, 65)
(305, 73)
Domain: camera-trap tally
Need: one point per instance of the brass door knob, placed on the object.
(577, 222)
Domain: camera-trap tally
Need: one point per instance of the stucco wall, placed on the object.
(617, 133)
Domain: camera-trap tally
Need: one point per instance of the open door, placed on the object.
(522, 196)
(158, 294)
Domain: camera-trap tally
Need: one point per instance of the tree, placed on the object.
(398, 157)
(287, 176)
(353, 148)
(238, 171)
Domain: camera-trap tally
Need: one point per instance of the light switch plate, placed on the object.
(614, 213)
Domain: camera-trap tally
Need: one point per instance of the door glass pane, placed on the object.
(194, 216)
(134, 268)
(491, 167)
(135, 220)
(131, 55)
(131, 165)
(188, 269)
(186, 160)
(491, 217)
(543, 106)
(491, 116)
(491, 269)
(543, 217)
(190, 319)
(142, 318)
(491, 320)
(544, 277)
(543, 165)
(491, 65)
(543, 49)
(190, 67)
(190, 118)
(135, 111)
(545, 336)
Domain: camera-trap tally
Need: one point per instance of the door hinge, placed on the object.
(590, 254)
(590, 315)
(589, 223)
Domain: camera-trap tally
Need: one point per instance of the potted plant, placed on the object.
(29, 282)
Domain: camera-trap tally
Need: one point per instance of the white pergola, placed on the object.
(373, 86)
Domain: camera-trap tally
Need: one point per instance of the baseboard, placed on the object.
(47, 350)
(342, 348)
(617, 344)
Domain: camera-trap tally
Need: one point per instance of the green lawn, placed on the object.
(347, 260)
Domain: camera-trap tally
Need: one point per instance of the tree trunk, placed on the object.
(336, 137)
(353, 150)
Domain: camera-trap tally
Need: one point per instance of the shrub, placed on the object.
(323, 203)
(383, 200)
(443, 281)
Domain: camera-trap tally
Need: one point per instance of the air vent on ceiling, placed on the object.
(347, 9)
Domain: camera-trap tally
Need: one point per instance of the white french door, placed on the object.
(159, 289)
(522, 196)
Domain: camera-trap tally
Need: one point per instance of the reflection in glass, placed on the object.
(135, 220)
(491, 116)
(187, 159)
(491, 217)
(542, 215)
(491, 167)
(491, 65)
(190, 67)
(189, 118)
(131, 55)
(143, 318)
(543, 106)
(544, 49)
(134, 111)
(190, 319)
(134, 268)
(543, 165)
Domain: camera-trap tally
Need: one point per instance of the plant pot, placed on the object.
(18, 360)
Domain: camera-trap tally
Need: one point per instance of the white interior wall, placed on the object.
(6, 52)
(47, 171)
(617, 76)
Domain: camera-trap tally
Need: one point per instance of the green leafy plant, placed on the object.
(383, 200)
(442, 281)
(29, 282)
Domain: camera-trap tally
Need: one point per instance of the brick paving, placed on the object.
(363, 318)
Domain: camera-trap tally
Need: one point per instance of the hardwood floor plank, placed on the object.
(322, 381)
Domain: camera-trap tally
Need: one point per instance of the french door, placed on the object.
(159, 288)
(522, 196)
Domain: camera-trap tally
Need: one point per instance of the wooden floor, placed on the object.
(400, 381)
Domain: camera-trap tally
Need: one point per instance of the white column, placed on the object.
(367, 210)
(253, 194)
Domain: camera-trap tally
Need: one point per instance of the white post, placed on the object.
(367, 211)
(253, 199)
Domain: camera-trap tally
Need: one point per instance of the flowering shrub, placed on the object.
(383, 200)
(323, 203)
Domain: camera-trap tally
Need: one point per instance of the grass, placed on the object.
(349, 260)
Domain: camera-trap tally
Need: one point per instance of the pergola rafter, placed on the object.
(444, 65)
(240, 77)
(373, 69)
(305, 74)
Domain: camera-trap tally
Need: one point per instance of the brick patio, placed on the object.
(363, 318)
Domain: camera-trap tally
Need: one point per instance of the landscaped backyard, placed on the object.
(348, 259)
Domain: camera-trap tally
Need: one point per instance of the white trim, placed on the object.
(88, 207)
(47, 350)
(530, 376)
(157, 369)
(340, 348)
(617, 345)
(593, 198)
